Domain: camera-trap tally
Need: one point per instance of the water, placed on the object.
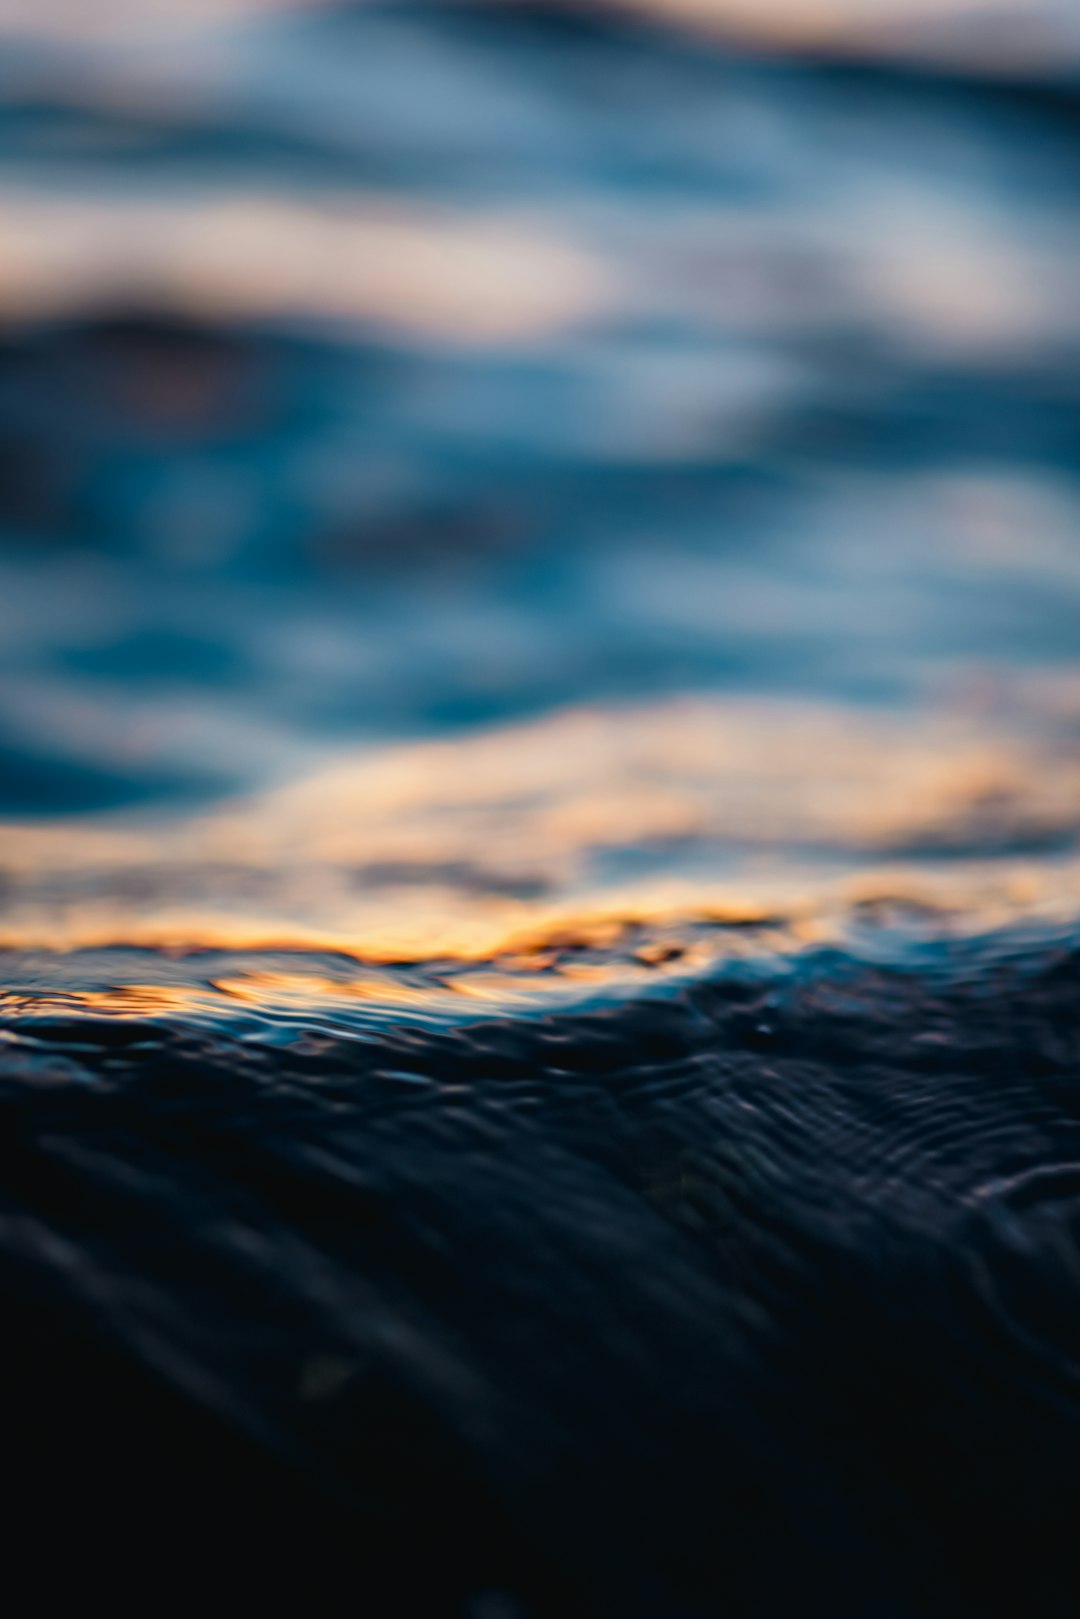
(539, 716)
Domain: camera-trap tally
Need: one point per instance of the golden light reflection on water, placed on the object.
(588, 842)
(1015, 33)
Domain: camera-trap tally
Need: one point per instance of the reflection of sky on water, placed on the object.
(371, 380)
(973, 33)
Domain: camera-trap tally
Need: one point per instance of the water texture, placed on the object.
(540, 807)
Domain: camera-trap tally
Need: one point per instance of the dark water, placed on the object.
(540, 863)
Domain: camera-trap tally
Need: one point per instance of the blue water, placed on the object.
(540, 797)
(810, 432)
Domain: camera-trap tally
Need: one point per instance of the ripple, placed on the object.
(756, 1212)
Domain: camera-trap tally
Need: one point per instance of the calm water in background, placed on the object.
(540, 775)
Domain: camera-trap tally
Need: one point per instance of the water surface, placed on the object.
(540, 864)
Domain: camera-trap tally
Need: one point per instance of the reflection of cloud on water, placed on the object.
(250, 257)
(1014, 34)
(588, 819)
(978, 33)
(927, 265)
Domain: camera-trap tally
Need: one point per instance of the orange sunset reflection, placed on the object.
(582, 839)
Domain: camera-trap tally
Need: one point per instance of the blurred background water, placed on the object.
(381, 373)
(374, 375)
